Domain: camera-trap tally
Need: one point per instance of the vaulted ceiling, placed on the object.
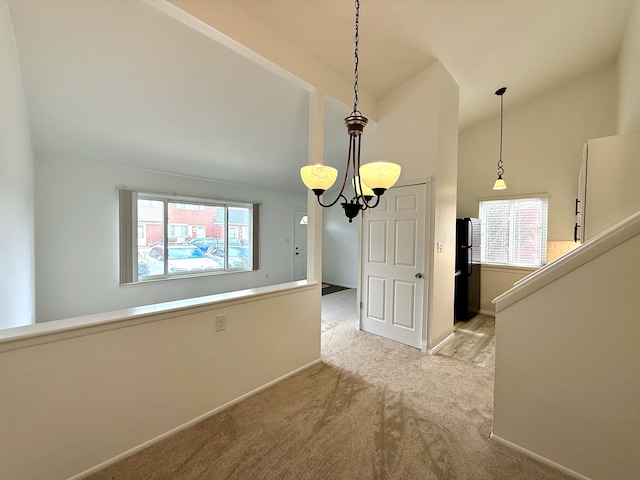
(120, 81)
(527, 45)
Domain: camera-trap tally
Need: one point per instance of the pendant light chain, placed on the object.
(370, 180)
(500, 183)
(356, 40)
(500, 164)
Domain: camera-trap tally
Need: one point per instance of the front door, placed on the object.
(300, 244)
(393, 253)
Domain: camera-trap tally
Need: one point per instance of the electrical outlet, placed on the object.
(439, 247)
(221, 323)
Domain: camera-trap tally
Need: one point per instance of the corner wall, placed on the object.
(77, 397)
(542, 150)
(418, 128)
(567, 364)
(17, 286)
(629, 74)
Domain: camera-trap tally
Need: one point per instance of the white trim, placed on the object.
(57, 330)
(514, 197)
(188, 424)
(501, 268)
(607, 240)
(205, 29)
(434, 350)
(539, 458)
(487, 312)
(177, 197)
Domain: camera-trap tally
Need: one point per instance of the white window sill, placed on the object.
(491, 267)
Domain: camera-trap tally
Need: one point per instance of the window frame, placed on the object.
(129, 256)
(513, 249)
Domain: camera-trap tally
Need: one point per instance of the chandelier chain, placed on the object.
(356, 40)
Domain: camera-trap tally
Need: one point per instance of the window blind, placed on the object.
(514, 231)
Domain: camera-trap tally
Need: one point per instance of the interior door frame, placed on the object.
(293, 243)
(429, 241)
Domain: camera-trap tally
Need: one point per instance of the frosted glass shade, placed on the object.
(318, 177)
(356, 185)
(380, 174)
(499, 185)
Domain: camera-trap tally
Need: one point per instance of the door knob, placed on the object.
(418, 275)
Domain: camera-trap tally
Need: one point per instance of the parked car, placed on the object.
(143, 265)
(237, 257)
(205, 243)
(182, 259)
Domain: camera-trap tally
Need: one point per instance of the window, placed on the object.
(177, 237)
(514, 231)
(189, 206)
(178, 230)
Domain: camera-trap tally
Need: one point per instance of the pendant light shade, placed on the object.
(500, 183)
(380, 175)
(369, 180)
(318, 177)
(357, 183)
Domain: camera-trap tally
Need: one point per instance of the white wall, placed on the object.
(77, 238)
(75, 399)
(495, 281)
(230, 19)
(17, 296)
(543, 142)
(418, 128)
(567, 362)
(444, 198)
(340, 240)
(629, 74)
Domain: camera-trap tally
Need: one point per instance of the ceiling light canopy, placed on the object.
(369, 180)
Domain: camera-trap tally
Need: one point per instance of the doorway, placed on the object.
(393, 266)
(300, 222)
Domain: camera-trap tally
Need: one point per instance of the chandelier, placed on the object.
(368, 180)
(500, 183)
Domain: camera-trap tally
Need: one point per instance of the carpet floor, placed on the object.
(372, 409)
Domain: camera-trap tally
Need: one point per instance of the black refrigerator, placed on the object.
(468, 254)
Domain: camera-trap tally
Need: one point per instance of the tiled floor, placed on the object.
(474, 342)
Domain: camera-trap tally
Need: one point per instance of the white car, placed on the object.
(182, 259)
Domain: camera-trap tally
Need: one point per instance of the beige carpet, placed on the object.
(374, 409)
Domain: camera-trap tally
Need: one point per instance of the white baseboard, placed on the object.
(188, 424)
(434, 350)
(491, 313)
(539, 458)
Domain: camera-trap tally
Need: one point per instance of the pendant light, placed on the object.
(500, 183)
(369, 180)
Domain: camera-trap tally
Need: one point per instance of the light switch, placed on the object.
(221, 322)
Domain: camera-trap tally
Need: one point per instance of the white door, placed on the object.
(393, 252)
(300, 244)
